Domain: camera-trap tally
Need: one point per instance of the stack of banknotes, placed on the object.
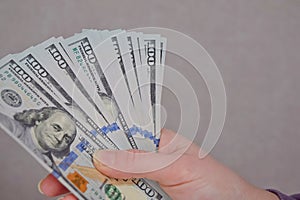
(65, 98)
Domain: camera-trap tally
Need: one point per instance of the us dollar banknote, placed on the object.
(83, 49)
(59, 63)
(57, 140)
(68, 92)
(36, 69)
(99, 89)
(152, 55)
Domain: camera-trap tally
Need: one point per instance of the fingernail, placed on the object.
(103, 157)
(60, 198)
(39, 186)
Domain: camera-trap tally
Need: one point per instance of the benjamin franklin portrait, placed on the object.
(48, 131)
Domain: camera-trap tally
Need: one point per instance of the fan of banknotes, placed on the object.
(65, 98)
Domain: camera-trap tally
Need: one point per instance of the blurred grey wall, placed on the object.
(256, 45)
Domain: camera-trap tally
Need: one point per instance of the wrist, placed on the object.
(252, 193)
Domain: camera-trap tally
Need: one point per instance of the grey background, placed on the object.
(255, 44)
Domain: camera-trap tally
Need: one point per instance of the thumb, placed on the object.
(134, 164)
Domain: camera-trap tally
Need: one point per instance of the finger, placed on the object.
(68, 197)
(171, 142)
(128, 164)
(51, 187)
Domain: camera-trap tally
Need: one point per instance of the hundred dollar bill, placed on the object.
(85, 68)
(150, 46)
(137, 71)
(148, 59)
(48, 132)
(123, 49)
(81, 50)
(111, 58)
(57, 64)
(36, 69)
(155, 54)
(57, 140)
(140, 61)
(159, 82)
(132, 43)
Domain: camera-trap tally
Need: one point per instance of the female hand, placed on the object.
(187, 177)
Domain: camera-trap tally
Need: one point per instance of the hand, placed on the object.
(188, 177)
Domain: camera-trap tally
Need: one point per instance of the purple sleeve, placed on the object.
(284, 196)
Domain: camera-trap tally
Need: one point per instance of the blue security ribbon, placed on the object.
(110, 128)
(114, 127)
(132, 131)
(66, 163)
(156, 141)
(55, 174)
(82, 145)
(104, 130)
(94, 133)
(145, 133)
